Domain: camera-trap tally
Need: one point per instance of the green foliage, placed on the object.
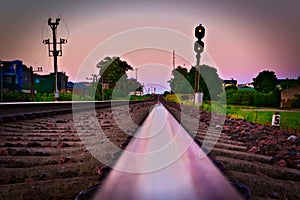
(231, 87)
(82, 98)
(289, 120)
(272, 99)
(210, 83)
(133, 85)
(140, 97)
(235, 97)
(265, 81)
(253, 98)
(65, 96)
(166, 93)
(107, 94)
(44, 97)
(206, 107)
(179, 83)
(113, 70)
(172, 98)
(118, 94)
(16, 97)
(296, 102)
(288, 83)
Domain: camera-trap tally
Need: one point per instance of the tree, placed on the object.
(210, 82)
(288, 83)
(265, 81)
(113, 70)
(179, 83)
(134, 85)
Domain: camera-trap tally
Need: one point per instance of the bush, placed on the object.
(272, 99)
(172, 98)
(235, 97)
(65, 96)
(44, 97)
(296, 102)
(118, 94)
(253, 98)
(16, 97)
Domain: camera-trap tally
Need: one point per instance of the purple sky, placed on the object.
(242, 37)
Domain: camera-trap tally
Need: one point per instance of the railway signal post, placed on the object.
(198, 48)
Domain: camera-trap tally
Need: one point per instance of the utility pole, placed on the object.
(136, 74)
(1, 80)
(173, 59)
(32, 93)
(55, 50)
(94, 78)
(102, 90)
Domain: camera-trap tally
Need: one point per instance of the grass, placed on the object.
(288, 120)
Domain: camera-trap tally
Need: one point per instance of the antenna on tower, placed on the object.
(173, 59)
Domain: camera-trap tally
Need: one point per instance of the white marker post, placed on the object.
(198, 98)
(276, 119)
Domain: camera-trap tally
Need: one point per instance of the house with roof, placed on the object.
(231, 82)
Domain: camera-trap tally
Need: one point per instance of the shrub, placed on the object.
(65, 96)
(253, 98)
(172, 98)
(296, 102)
(118, 94)
(44, 97)
(16, 97)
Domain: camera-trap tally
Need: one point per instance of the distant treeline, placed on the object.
(253, 98)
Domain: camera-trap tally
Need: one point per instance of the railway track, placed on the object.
(256, 171)
(28, 110)
(163, 162)
(43, 157)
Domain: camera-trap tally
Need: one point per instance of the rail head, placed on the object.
(162, 161)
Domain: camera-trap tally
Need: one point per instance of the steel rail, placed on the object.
(163, 162)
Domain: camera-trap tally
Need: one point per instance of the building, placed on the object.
(81, 88)
(14, 76)
(289, 95)
(45, 83)
(11, 75)
(231, 82)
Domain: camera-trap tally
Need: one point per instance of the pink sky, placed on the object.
(242, 38)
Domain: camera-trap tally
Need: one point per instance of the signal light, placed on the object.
(199, 47)
(199, 34)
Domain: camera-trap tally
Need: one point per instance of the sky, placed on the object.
(242, 38)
